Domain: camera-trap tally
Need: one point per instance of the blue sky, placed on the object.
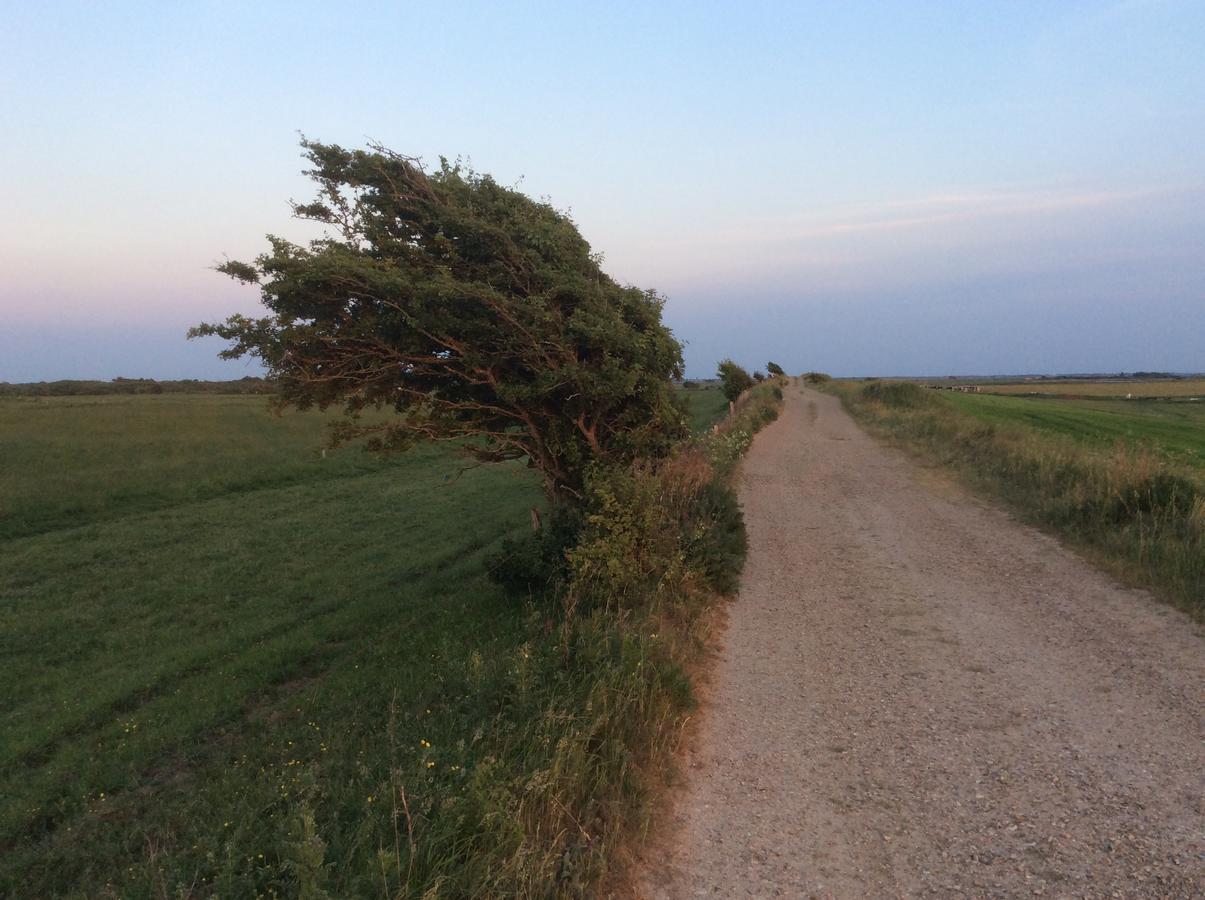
(865, 188)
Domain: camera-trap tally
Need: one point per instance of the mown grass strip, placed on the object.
(1173, 430)
(70, 461)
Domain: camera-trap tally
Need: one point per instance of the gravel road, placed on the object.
(918, 696)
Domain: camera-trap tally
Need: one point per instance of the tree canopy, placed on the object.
(734, 379)
(477, 313)
(774, 369)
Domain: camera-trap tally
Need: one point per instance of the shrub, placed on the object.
(734, 379)
(897, 394)
(1159, 496)
(627, 545)
(716, 539)
(641, 524)
(608, 684)
(645, 525)
(728, 442)
(535, 564)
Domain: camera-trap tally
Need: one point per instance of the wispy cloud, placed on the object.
(942, 238)
(940, 209)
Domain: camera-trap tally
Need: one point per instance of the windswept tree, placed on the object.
(734, 380)
(479, 315)
(774, 369)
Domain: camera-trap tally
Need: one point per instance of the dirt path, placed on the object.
(919, 696)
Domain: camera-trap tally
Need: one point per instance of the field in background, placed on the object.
(140, 386)
(228, 658)
(82, 459)
(1122, 479)
(1187, 387)
(1173, 430)
(705, 406)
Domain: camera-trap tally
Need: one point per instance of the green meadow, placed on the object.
(84, 459)
(705, 407)
(1172, 429)
(236, 666)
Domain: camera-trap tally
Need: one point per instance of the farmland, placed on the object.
(84, 459)
(1173, 430)
(705, 406)
(183, 661)
(1121, 479)
(228, 658)
(1170, 387)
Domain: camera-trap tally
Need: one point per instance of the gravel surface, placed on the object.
(916, 696)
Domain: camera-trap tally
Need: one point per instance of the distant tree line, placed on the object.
(71, 388)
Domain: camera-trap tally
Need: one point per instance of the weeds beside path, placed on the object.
(918, 695)
(1132, 498)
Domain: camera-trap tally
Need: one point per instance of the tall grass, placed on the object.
(752, 411)
(1127, 506)
(660, 544)
(705, 406)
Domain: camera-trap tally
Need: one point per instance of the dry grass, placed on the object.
(1189, 387)
(1126, 505)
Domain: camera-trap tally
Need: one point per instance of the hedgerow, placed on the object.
(623, 620)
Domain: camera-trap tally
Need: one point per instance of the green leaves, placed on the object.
(447, 294)
(735, 380)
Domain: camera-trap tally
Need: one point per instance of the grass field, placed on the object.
(1174, 430)
(205, 633)
(1122, 479)
(234, 667)
(705, 407)
(1187, 387)
(82, 460)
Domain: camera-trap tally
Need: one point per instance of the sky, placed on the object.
(894, 188)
